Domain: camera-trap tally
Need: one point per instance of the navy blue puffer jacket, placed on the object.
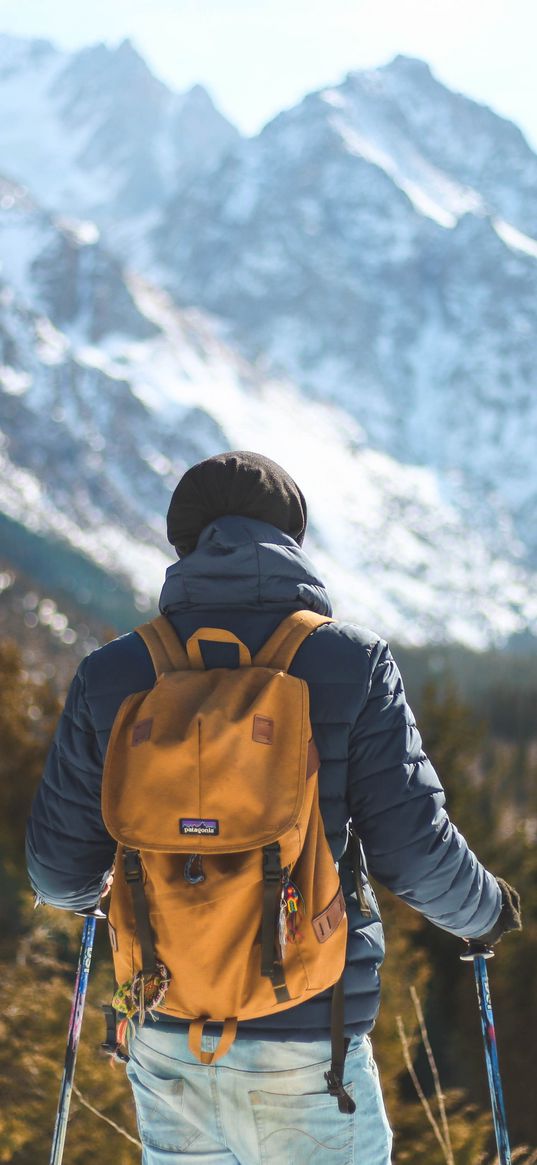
(246, 576)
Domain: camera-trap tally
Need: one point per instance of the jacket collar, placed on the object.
(242, 562)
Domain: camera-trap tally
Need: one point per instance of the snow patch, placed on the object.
(52, 345)
(13, 381)
(515, 239)
(433, 194)
(83, 232)
(334, 97)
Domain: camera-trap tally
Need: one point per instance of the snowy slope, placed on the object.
(394, 551)
(60, 268)
(97, 429)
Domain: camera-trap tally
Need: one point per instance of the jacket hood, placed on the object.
(243, 562)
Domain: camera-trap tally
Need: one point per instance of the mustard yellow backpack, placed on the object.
(226, 903)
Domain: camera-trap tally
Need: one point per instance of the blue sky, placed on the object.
(258, 56)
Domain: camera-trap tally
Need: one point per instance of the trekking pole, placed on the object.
(73, 1035)
(477, 953)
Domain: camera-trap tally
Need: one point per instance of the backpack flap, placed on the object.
(189, 763)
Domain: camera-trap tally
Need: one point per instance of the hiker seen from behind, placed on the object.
(241, 762)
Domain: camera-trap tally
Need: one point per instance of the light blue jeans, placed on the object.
(263, 1103)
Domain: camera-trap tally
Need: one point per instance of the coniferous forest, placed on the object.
(480, 733)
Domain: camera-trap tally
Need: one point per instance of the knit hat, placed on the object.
(234, 483)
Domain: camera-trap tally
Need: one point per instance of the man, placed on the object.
(238, 522)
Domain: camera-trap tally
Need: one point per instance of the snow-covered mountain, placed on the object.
(95, 135)
(351, 292)
(97, 428)
(374, 243)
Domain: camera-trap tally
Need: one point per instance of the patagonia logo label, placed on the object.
(199, 825)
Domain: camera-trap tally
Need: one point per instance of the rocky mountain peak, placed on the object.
(199, 97)
(407, 66)
(400, 68)
(94, 134)
(127, 49)
(17, 52)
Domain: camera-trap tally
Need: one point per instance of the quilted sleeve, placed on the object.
(398, 809)
(68, 849)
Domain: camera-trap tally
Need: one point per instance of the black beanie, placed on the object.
(234, 483)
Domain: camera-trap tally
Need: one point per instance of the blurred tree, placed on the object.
(28, 712)
(38, 985)
(485, 802)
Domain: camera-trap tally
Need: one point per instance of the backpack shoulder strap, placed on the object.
(164, 646)
(282, 646)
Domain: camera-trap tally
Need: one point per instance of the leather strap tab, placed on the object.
(164, 646)
(280, 649)
(195, 1033)
(326, 923)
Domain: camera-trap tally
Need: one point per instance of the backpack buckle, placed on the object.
(335, 1087)
(272, 870)
(131, 865)
(112, 1045)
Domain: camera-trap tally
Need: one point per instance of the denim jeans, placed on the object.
(264, 1103)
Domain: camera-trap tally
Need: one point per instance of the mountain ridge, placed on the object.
(305, 301)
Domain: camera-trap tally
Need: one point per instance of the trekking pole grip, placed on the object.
(475, 949)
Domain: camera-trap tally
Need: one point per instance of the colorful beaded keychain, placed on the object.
(291, 913)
